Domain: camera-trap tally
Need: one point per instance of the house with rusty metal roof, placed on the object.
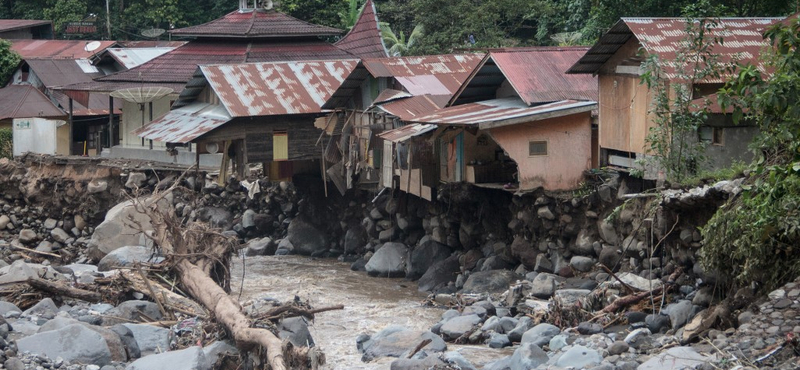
(18, 29)
(247, 35)
(518, 122)
(39, 126)
(253, 113)
(625, 117)
(48, 65)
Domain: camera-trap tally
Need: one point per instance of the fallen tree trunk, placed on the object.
(632, 299)
(172, 300)
(65, 290)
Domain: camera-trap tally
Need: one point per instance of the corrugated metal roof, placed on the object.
(175, 68)
(151, 44)
(406, 132)
(364, 39)
(26, 101)
(743, 40)
(536, 74)
(57, 49)
(491, 112)
(257, 23)
(410, 107)
(449, 72)
(389, 95)
(55, 73)
(111, 86)
(133, 57)
(182, 125)
(262, 89)
(15, 24)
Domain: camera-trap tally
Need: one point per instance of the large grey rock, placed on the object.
(218, 217)
(117, 230)
(541, 334)
(581, 263)
(583, 243)
(527, 356)
(192, 358)
(135, 180)
(74, 343)
(306, 238)
(455, 358)
(19, 271)
(494, 281)
(150, 339)
(423, 256)
(127, 256)
(44, 306)
(430, 362)
(260, 247)
(543, 285)
(456, 327)
(524, 324)
(57, 323)
(679, 313)
(608, 232)
(132, 311)
(28, 236)
(394, 341)
(570, 297)
(579, 357)
(128, 341)
(439, 275)
(295, 330)
(58, 234)
(248, 219)
(388, 261)
(6, 307)
(676, 358)
(218, 349)
(355, 239)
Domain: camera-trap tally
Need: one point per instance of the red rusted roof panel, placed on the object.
(743, 40)
(184, 124)
(258, 23)
(57, 49)
(410, 107)
(26, 101)
(364, 39)
(538, 75)
(178, 66)
(446, 71)
(15, 24)
(497, 110)
(406, 132)
(390, 94)
(262, 89)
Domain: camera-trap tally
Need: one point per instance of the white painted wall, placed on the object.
(132, 120)
(36, 135)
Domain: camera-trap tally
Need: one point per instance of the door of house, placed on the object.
(451, 158)
(387, 172)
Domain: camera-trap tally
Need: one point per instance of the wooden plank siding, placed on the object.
(257, 134)
(624, 117)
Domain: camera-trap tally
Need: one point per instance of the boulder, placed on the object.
(581, 263)
(19, 271)
(6, 307)
(608, 233)
(496, 263)
(249, 219)
(525, 252)
(498, 341)
(128, 341)
(295, 330)
(455, 358)
(117, 230)
(75, 343)
(583, 243)
(423, 256)
(127, 256)
(42, 307)
(135, 180)
(439, 275)
(260, 247)
(579, 357)
(679, 313)
(149, 339)
(27, 236)
(541, 334)
(388, 261)
(395, 341)
(355, 239)
(430, 362)
(676, 358)
(58, 234)
(129, 311)
(306, 238)
(192, 358)
(494, 281)
(456, 327)
(218, 349)
(543, 285)
(218, 217)
(610, 256)
(527, 356)
(570, 297)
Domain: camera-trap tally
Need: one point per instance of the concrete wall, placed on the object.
(184, 156)
(569, 146)
(39, 135)
(734, 147)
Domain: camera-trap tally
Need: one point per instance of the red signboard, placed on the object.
(80, 28)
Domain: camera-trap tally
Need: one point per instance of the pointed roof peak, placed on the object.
(256, 23)
(364, 39)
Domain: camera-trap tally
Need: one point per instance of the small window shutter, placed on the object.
(280, 146)
(537, 148)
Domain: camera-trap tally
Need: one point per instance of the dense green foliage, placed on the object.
(448, 23)
(755, 235)
(6, 143)
(9, 60)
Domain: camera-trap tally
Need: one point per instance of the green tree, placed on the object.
(754, 236)
(9, 61)
(350, 17)
(399, 45)
(62, 12)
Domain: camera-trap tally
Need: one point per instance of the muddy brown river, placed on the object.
(370, 304)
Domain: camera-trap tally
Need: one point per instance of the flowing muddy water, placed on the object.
(370, 304)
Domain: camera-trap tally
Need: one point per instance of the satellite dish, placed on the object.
(153, 32)
(92, 46)
(212, 148)
(141, 95)
(268, 4)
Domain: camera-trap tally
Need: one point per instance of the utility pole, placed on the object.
(108, 20)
